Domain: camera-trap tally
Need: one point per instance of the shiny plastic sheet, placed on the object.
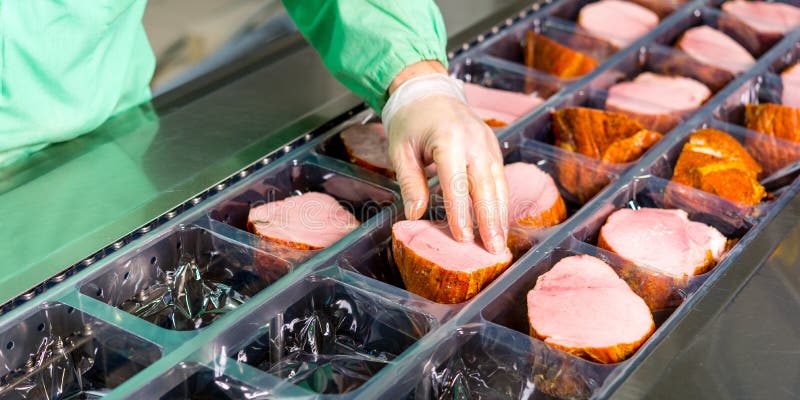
(76, 357)
(206, 385)
(186, 299)
(187, 279)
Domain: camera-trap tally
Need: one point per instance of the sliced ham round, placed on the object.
(533, 202)
(310, 221)
(533, 197)
(664, 240)
(618, 22)
(765, 16)
(582, 307)
(659, 102)
(712, 47)
(791, 86)
(368, 146)
(498, 105)
(436, 266)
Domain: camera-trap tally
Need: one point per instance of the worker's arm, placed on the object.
(366, 43)
(379, 48)
(66, 66)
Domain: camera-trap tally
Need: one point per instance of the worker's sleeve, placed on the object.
(366, 43)
(66, 66)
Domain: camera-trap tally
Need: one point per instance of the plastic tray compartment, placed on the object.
(755, 42)
(580, 177)
(59, 352)
(509, 46)
(662, 291)
(481, 70)
(761, 89)
(488, 361)
(560, 165)
(778, 158)
(197, 382)
(559, 374)
(333, 147)
(186, 278)
(570, 9)
(325, 336)
(361, 197)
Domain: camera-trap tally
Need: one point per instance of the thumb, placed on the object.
(411, 177)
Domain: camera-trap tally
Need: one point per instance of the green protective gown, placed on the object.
(68, 65)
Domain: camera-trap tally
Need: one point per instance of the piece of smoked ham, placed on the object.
(534, 202)
(499, 107)
(715, 162)
(671, 247)
(310, 221)
(436, 266)
(661, 7)
(582, 307)
(712, 47)
(368, 146)
(779, 123)
(758, 24)
(664, 240)
(618, 22)
(606, 136)
(658, 102)
(550, 57)
(790, 79)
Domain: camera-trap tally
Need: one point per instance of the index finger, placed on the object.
(452, 167)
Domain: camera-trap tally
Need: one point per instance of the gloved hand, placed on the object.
(428, 120)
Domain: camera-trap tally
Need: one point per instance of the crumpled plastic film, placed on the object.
(64, 367)
(486, 362)
(478, 372)
(187, 298)
(206, 384)
(202, 283)
(333, 341)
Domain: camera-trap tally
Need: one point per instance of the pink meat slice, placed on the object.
(619, 22)
(582, 303)
(665, 240)
(531, 191)
(502, 105)
(370, 143)
(791, 86)
(313, 219)
(434, 242)
(764, 16)
(654, 94)
(712, 47)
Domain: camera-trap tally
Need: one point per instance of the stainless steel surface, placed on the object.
(72, 199)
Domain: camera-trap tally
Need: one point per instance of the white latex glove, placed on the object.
(428, 120)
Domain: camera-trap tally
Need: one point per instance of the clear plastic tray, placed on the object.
(776, 157)
(489, 361)
(484, 341)
(564, 375)
(186, 279)
(569, 9)
(580, 177)
(509, 48)
(363, 198)
(59, 352)
(662, 291)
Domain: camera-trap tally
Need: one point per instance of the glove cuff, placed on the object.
(420, 87)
